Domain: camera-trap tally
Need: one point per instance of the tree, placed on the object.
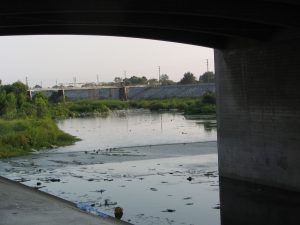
(164, 80)
(19, 88)
(11, 107)
(20, 91)
(188, 78)
(164, 77)
(207, 77)
(134, 80)
(118, 80)
(41, 103)
(3, 102)
(37, 86)
(153, 81)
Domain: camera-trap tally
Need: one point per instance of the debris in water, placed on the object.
(108, 179)
(187, 198)
(107, 203)
(169, 210)
(153, 189)
(101, 191)
(54, 180)
(87, 208)
(190, 203)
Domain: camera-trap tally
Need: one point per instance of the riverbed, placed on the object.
(161, 168)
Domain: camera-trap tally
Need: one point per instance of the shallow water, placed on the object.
(134, 128)
(155, 184)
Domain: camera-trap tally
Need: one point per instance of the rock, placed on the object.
(38, 183)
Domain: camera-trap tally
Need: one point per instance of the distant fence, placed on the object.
(132, 92)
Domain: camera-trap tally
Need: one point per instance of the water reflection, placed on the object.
(138, 127)
(246, 203)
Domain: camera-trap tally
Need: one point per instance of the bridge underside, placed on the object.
(257, 65)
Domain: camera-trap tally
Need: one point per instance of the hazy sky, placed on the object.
(49, 58)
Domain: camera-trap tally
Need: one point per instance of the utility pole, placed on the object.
(159, 74)
(97, 79)
(26, 81)
(124, 74)
(207, 65)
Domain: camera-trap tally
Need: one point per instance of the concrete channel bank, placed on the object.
(22, 205)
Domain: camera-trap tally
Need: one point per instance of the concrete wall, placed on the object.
(142, 92)
(171, 91)
(258, 113)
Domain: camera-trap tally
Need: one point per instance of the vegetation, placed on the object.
(82, 108)
(188, 78)
(135, 80)
(164, 80)
(207, 77)
(21, 136)
(26, 124)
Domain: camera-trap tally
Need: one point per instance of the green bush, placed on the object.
(22, 135)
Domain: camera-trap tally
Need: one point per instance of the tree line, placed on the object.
(188, 78)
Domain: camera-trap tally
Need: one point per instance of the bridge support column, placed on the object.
(258, 108)
(61, 93)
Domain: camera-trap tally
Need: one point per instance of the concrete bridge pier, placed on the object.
(258, 90)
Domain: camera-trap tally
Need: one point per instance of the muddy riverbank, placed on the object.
(163, 184)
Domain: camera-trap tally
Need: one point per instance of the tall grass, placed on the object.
(20, 136)
(92, 107)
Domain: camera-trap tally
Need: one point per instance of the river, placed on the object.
(161, 168)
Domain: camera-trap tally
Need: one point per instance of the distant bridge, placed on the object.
(130, 92)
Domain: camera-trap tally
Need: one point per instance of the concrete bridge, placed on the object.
(130, 92)
(257, 47)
